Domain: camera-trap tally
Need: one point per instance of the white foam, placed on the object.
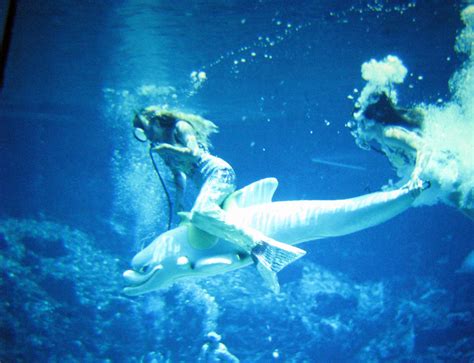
(389, 70)
(449, 129)
(449, 135)
(381, 76)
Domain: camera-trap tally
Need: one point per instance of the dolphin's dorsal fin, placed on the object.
(259, 192)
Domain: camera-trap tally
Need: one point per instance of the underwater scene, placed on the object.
(237, 181)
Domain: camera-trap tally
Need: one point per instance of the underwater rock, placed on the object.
(45, 248)
(69, 308)
(332, 317)
(61, 297)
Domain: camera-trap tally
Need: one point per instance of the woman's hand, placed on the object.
(177, 157)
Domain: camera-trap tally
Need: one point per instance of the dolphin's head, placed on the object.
(179, 253)
(159, 264)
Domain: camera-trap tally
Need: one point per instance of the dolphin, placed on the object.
(188, 252)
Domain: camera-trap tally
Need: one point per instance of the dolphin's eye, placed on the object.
(145, 269)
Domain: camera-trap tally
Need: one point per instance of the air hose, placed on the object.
(163, 185)
(7, 31)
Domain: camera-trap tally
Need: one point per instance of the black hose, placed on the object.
(163, 185)
(6, 38)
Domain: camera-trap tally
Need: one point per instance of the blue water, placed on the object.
(78, 196)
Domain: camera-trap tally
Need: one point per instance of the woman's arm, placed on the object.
(186, 141)
(186, 136)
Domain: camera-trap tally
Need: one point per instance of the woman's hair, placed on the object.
(167, 118)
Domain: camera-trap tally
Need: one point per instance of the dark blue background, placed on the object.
(60, 136)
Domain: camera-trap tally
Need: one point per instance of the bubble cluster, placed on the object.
(198, 78)
(260, 49)
(135, 182)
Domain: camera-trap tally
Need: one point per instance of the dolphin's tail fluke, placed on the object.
(271, 257)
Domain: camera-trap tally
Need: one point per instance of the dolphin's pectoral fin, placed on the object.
(270, 278)
(273, 256)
